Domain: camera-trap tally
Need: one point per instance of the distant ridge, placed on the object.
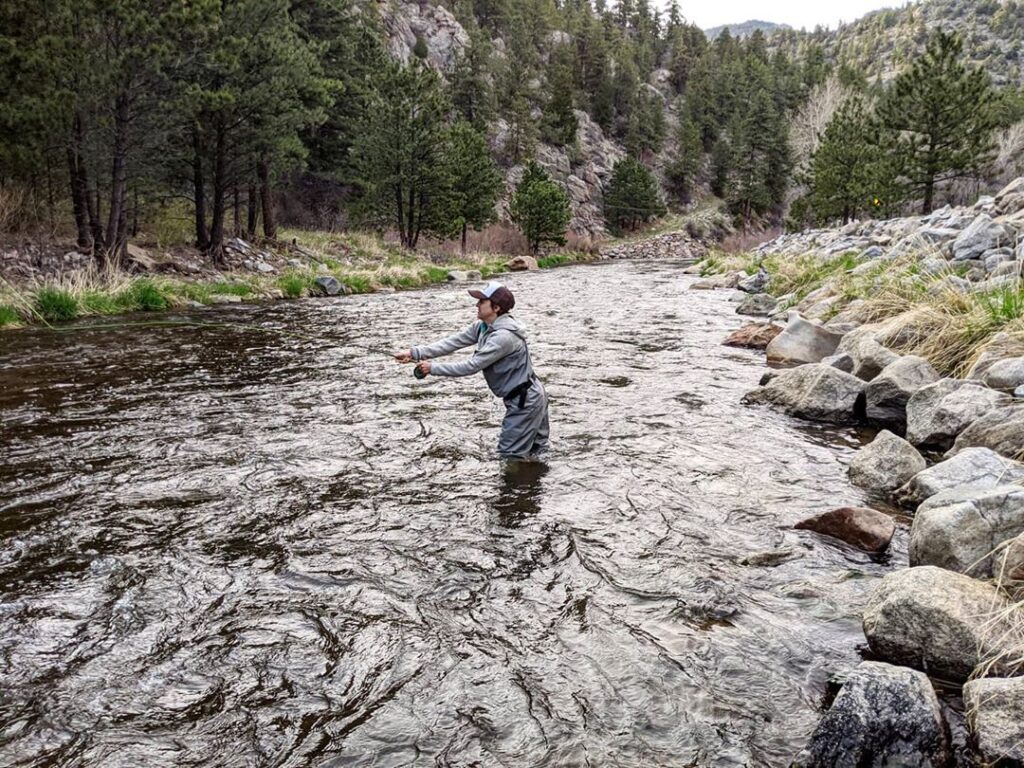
(745, 28)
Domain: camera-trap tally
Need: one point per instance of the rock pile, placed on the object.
(672, 245)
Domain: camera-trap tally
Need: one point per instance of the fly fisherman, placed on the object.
(502, 355)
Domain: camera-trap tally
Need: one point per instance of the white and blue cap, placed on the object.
(497, 294)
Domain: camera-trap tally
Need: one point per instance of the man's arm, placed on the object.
(498, 345)
(461, 340)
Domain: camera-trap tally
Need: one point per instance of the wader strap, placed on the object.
(520, 392)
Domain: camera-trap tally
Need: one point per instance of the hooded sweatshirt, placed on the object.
(501, 353)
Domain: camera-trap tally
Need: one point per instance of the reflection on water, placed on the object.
(225, 545)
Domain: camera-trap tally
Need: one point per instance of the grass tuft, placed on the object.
(56, 305)
(9, 316)
(293, 285)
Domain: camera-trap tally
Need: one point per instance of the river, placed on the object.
(253, 539)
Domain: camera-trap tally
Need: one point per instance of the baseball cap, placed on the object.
(498, 294)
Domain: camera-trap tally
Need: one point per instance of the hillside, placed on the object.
(745, 28)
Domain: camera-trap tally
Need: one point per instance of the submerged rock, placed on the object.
(886, 463)
(884, 715)
(960, 529)
(866, 529)
(815, 391)
(938, 621)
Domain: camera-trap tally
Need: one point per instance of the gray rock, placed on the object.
(938, 621)
(1006, 374)
(521, 264)
(938, 234)
(843, 362)
(801, 342)
(457, 276)
(225, 298)
(1010, 198)
(1001, 347)
(972, 468)
(1001, 429)
(884, 715)
(938, 412)
(860, 527)
(814, 391)
(756, 283)
(995, 719)
(329, 286)
(933, 266)
(872, 252)
(996, 256)
(886, 463)
(1009, 561)
(869, 356)
(959, 529)
(885, 396)
(983, 234)
(1011, 269)
(757, 304)
(728, 280)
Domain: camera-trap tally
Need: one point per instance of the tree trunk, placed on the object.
(929, 191)
(463, 238)
(216, 245)
(266, 199)
(199, 192)
(115, 239)
(399, 209)
(252, 211)
(79, 186)
(237, 210)
(411, 220)
(95, 223)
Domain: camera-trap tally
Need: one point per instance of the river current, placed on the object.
(253, 539)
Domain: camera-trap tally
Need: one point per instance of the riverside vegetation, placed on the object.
(914, 326)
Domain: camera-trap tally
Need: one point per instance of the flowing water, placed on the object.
(223, 545)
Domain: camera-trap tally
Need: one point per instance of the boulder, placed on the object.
(959, 529)
(938, 621)
(937, 413)
(885, 396)
(1001, 347)
(982, 235)
(995, 719)
(971, 469)
(1001, 429)
(863, 528)
(802, 342)
(329, 286)
(814, 391)
(1005, 375)
(842, 361)
(521, 264)
(886, 463)
(1010, 198)
(1009, 561)
(884, 715)
(753, 336)
(757, 304)
(728, 280)
(756, 283)
(869, 356)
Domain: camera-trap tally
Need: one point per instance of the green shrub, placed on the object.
(293, 286)
(436, 274)
(8, 316)
(55, 305)
(147, 296)
(99, 303)
(357, 283)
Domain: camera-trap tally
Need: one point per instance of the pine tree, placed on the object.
(842, 169)
(541, 208)
(559, 123)
(473, 181)
(632, 196)
(686, 159)
(944, 114)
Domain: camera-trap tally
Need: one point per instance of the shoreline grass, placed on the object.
(360, 262)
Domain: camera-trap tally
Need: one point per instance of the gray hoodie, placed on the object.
(501, 354)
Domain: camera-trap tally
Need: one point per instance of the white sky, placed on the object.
(795, 13)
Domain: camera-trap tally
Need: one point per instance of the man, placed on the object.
(502, 355)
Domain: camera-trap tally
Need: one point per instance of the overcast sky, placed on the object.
(795, 13)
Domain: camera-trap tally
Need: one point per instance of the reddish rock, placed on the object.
(753, 335)
(866, 529)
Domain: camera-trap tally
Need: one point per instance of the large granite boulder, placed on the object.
(1006, 374)
(938, 621)
(814, 391)
(753, 336)
(870, 357)
(938, 412)
(885, 397)
(884, 715)
(959, 529)
(977, 469)
(1008, 566)
(995, 719)
(801, 342)
(982, 235)
(1010, 198)
(329, 285)
(886, 463)
(756, 283)
(1001, 429)
(1001, 347)
(714, 282)
(758, 305)
(860, 527)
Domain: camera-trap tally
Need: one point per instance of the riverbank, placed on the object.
(300, 264)
(914, 327)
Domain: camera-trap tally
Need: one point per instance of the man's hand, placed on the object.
(405, 356)
(424, 367)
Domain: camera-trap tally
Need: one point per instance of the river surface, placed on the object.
(224, 545)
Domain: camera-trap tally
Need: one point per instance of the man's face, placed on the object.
(486, 311)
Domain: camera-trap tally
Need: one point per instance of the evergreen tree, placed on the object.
(541, 208)
(472, 94)
(843, 167)
(473, 181)
(632, 196)
(686, 159)
(399, 153)
(944, 114)
(559, 123)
